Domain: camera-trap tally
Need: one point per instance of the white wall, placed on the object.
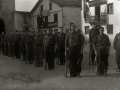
(71, 14)
(112, 18)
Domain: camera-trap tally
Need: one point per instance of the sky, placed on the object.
(25, 5)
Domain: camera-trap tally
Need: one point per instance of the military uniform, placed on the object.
(102, 44)
(6, 44)
(61, 47)
(92, 34)
(23, 50)
(13, 45)
(116, 46)
(49, 50)
(39, 50)
(74, 43)
(30, 48)
(2, 44)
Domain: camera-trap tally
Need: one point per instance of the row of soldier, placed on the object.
(36, 46)
(33, 47)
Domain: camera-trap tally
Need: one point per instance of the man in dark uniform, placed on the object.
(6, 43)
(30, 47)
(61, 42)
(17, 44)
(92, 34)
(23, 50)
(102, 48)
(83, 38)
(2, 42)
(74, 43)
(49, 49)
(9, 43)
(116, 46)
(13, 44)
(39, 43)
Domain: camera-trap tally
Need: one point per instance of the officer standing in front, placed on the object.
(49, 49)
(74, 43)
(102, 48)
(61, 42)
(116, 46)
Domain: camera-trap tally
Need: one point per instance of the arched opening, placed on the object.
(2, 25)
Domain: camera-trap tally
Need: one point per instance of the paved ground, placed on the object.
(16, 75)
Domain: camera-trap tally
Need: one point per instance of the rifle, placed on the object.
(46, 64)
(66, 62)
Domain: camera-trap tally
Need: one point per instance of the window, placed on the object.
(97, 13)
(87, 16)
(110, 29)
(55, 17)
(41, 8)
(25, 19)
(46, 19)
(50, 6)
(110, 8)
(87, 29)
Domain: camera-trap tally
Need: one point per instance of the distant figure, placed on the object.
(116, 46)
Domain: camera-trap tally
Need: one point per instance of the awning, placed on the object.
(97, 2)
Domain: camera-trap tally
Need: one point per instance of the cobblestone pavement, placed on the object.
(16, 75)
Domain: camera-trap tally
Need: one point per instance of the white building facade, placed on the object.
(107, 14)
(57, 14)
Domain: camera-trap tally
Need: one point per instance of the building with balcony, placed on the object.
(56, 14)
(107, 14)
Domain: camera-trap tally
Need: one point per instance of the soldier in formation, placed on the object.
(116, 46)
(74, 43)
(102, 48)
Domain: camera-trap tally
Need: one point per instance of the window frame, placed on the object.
(87, 32)
(112, 28)
(108, 8)
(50, 6)
(41, 8)
(57, 17)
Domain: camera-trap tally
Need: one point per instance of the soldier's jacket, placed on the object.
(45, 38)
(56, 38)
(50, 39)
(92, 34)
(116, 43)
(102, 40)
(30, 40)
(18, 38)
(5, 38)
(2, 39)
(74, 39)
(39, 40)
(61, 38)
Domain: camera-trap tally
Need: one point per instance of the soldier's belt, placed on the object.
(73, 44)
(102, 46)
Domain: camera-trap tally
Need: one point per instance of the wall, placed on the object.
(71, 14)
(19, 20)
(8, 8)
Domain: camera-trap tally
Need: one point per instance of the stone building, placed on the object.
(7, 15)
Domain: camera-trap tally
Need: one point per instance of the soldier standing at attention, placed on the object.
(102, 48)
(17, 44)
(56, 42)
(2, 43)
(6, 43)
(30, 47)
(61, 41)
(13, 44)
(49, 49)
(116, 46)
(83, 38)
(39, 43)
(92, 34)
(74, 43)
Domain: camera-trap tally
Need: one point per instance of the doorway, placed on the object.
(2, 25)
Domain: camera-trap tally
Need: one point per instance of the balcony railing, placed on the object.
(98, 19)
